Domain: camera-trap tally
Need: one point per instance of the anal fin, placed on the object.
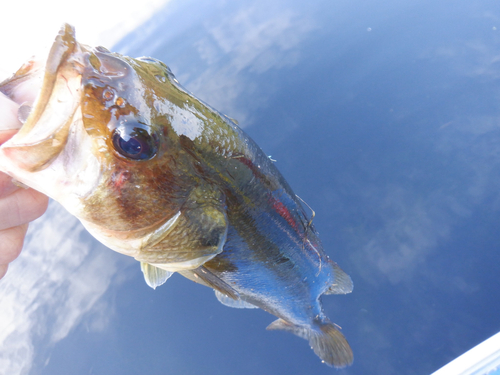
(235, 303)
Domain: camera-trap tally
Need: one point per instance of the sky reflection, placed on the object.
(383, 117)
(56, 282)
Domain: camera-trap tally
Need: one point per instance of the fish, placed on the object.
(154, 173)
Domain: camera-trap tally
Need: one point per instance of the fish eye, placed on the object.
(133, 141)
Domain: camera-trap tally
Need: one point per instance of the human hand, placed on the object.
(18, 206)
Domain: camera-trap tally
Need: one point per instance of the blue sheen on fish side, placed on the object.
(178, 186)
(273, 257)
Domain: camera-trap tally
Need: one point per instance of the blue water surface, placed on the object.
(385, 118)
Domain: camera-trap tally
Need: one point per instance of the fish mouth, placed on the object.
(45, 132)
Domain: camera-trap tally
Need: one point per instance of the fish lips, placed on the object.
(45, 132)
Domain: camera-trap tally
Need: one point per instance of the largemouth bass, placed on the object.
(156, 174)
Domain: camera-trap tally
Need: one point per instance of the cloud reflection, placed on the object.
(420, 214)
(57, 281)
(230, 52)
(412, 229)
(251, 40)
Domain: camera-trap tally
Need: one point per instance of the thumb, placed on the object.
(9, 123)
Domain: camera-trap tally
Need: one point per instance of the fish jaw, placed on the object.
(51, 151)
(45, 131)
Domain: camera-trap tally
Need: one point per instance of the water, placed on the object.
(383, 117)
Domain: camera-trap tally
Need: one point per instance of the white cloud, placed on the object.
(58, 280)
(252, 39)
(411, 230)
(416, 220)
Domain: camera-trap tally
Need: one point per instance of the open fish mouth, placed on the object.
(154, 173)
(51, 152)
(45, 131)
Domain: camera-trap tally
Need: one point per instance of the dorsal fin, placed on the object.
(236, 303)
(342, 282)
(154, 276)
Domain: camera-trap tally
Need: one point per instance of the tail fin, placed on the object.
(331, 346)
(327, 342)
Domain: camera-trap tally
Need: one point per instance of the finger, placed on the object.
(22, 206)
(3, 269)
(7, 187)
(9, 122)
(11, 241)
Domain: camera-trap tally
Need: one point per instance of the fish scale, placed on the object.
(154, 173)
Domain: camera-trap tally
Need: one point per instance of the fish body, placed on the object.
(154, 173)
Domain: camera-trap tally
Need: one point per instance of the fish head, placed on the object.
(102, 140)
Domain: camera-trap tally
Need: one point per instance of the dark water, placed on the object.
(385, 118)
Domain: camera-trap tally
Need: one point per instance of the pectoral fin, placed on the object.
(197, 235)
(154, 276)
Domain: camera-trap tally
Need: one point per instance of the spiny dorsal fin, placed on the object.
(154, 276)
(342, 284)
(236, 303)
